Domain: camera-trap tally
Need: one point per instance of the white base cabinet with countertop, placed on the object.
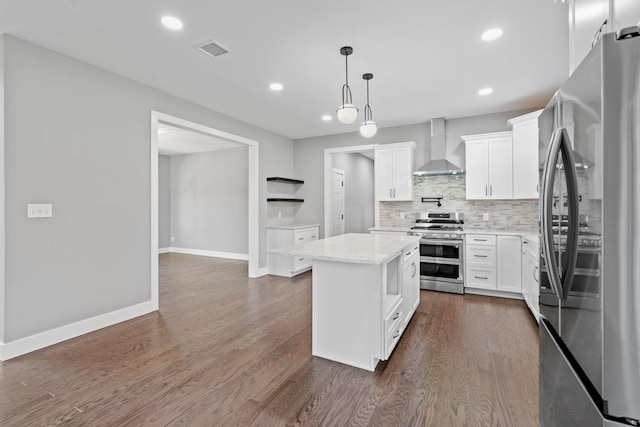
(280, 236)
(493, 265)
(531, 276)
(359, 285)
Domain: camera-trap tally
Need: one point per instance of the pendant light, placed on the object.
(368, 127)
(347, 112)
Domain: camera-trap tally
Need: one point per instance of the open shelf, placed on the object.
(285, 180)
(284, 199)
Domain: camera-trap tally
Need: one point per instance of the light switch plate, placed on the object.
(485, 216)
(39, 210)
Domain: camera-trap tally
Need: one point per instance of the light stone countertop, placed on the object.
(390, 228)
(292, 227)
(352, 247)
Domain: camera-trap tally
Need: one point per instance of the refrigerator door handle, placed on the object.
(573, 198)
(546, 212)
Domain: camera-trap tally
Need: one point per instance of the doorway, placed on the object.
(158, 119)
(355, 210)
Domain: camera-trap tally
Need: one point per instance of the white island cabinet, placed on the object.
(358, 310)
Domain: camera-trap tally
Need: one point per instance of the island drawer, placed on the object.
(409, 252)
(393, 318)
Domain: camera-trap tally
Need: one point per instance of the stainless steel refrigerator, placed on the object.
(590, 241)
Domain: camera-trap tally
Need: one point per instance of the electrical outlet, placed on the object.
(402, 215)
(39, 210)
(485, 217)
(173, 239)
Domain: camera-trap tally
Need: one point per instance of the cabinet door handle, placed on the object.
(396, 316)
(300, 259)
(415, 270)
(394, 193)
(486, 192)
(313, 237)
(535, 269)
(390, 193)
(481, 256)
(300, 238)
(480, 240)
(481, 277)
(491, 190)
(396, 335)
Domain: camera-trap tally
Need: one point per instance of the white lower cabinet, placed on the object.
(509, 264)
(531, 277)
(286, 265)
(410, 281)
(492, 262)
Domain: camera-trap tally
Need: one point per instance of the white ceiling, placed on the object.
(426, 56)
(173, 141)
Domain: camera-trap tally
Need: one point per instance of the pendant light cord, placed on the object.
(346, 90)
(368, 116)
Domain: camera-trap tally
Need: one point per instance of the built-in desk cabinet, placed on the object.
(287, 265)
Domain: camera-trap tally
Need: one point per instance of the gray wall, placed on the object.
(309, 152)
(164, 202)
(358, 191)
(78, 136)
(209, 208)
(2, 172)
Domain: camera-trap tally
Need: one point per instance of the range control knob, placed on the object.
(446, 236)
(435, 236)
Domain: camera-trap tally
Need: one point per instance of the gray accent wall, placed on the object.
(358, 191)
(78, 136)
(309, 152)
(164, 202)
(209, 208)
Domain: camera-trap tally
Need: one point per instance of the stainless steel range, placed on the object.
(441, 251)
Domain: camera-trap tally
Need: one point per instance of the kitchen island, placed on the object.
(365, 289)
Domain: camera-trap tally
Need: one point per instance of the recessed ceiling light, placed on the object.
(485, 91)
(276, 86)
(171, 23)
(327, 118)
(492, 34)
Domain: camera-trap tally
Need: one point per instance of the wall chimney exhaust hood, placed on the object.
(438, 165)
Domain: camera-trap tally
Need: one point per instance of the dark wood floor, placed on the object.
(225, 350)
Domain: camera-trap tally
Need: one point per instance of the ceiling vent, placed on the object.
(211, 48)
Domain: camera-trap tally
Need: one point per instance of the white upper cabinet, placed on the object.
(626, 13)
(394, 172)
(525, 156)
(489, 166)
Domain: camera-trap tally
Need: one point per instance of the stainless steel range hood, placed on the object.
(438, 165)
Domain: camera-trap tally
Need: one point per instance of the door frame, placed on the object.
(344, 188)
(156, 118)
(328, 167)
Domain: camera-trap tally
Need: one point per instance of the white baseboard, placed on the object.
(262, 271)
(215, 254)
(54, 336)
(164, 250)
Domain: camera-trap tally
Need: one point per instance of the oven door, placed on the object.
(441, 260)
(440, 248)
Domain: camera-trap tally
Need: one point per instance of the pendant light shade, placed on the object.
(368, 128)
(347, 112)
